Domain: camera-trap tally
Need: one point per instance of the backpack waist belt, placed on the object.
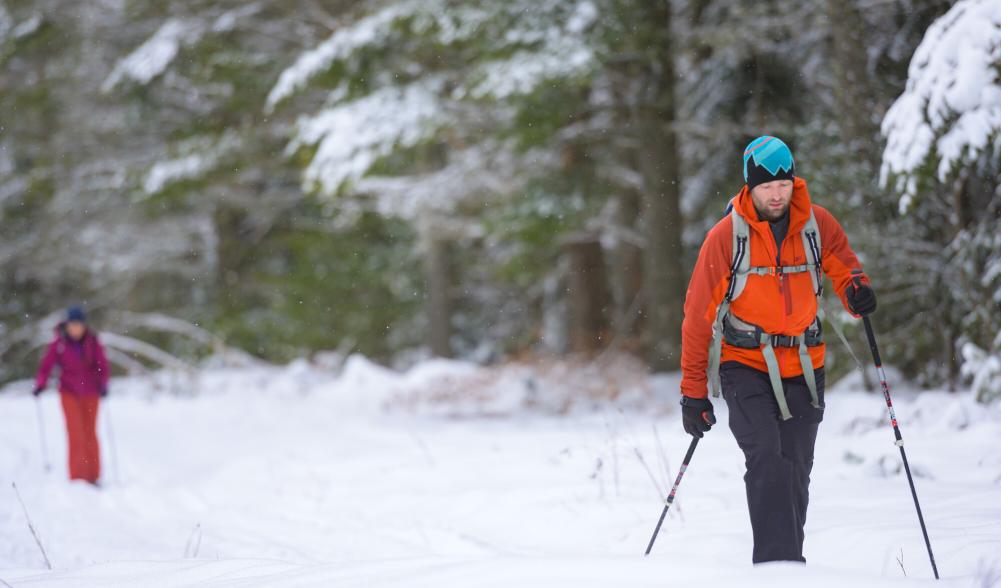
(744, 335)
(739, 333)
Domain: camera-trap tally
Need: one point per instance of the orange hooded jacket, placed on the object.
(780, 305)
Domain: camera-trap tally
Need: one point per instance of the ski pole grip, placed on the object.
(870, 335)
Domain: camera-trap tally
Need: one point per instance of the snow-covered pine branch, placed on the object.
(351, 137)
(478, 172)
(353, 133)
(983, 369)
(340, 45)
(152, 58)
(197, 158)
(950, 111)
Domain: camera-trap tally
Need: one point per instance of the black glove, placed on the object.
(697, 415)
(861, 298)
(104, 391)
(38, 391)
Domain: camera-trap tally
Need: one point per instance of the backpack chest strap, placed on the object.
(768, 270)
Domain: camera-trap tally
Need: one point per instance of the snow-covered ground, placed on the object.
(291, 476)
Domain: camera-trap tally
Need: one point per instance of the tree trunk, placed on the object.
(855, 103)
(626, 269)
(658, 158)
(436, 246)
(587, 295)
(664, 276)
(438, 300)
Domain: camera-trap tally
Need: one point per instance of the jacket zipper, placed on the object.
(783, 289)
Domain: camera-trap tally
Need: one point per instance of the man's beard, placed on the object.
(767, 215)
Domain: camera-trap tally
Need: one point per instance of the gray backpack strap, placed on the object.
(740, 263)
(814, 261)
(716, 349)
(741, 256)
(806, 362)
(775, 376)
(811, 244)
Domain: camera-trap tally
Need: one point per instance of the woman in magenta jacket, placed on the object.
(82, 383)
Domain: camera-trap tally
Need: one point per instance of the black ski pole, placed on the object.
(674, 490)
(896, 429)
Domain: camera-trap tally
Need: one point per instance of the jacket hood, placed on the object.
(799, 207)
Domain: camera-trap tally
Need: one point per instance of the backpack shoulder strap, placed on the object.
(740, 260)
(812, 245)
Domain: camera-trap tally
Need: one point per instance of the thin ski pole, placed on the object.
(41, 435)
(896, 431)
(112, 446)
(674, 490)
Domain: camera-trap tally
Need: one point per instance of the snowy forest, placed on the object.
(408, 238)
(481, 180)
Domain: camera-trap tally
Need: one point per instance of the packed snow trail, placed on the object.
(292, 477)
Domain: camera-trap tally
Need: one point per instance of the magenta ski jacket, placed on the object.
(83, 363)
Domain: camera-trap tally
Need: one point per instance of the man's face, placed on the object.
(772, 199)
(76, 329)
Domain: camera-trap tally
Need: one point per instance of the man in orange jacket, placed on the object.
(768, 337)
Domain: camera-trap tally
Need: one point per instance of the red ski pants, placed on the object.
(81, 432)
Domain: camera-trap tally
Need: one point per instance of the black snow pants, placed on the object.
(778, 455)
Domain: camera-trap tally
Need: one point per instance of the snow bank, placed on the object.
(299, 476)
(548, 386)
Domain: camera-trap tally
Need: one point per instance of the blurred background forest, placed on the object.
(480, 179)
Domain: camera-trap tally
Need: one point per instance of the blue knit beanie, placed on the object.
(767, 159)
(76, 313)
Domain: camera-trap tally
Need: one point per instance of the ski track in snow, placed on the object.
(290, 477)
